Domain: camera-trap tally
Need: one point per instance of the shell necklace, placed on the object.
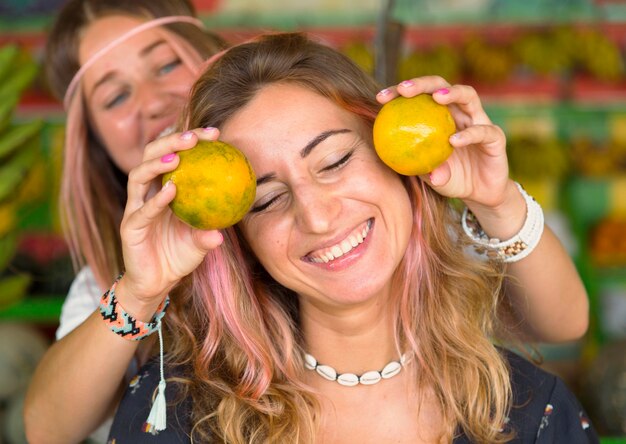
(351, 379)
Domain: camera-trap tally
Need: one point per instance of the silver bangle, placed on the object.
(515, 248)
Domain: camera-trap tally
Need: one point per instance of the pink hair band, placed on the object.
(146, 25)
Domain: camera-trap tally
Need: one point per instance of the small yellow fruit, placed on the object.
(215, 185)
(411, 135)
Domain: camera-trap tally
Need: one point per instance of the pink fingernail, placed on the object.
(168, 157)
(442, 91)
(208, 129)
(186, 135)
(384, 92)
(407, 83)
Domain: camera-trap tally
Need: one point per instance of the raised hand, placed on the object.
(477, 170)
(158, 248)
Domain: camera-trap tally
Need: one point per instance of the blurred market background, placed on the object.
(551, 73)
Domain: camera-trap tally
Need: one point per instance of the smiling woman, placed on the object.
(326, 185)
(342, 267)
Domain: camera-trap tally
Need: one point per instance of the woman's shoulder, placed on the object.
(544, 409)
(129, 424)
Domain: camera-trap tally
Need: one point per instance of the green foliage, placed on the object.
(19, 152)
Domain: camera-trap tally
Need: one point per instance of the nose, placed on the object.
(153, 100)
(316, 208)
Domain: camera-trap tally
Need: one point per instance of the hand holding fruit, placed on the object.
(477, 169)
(158, 247)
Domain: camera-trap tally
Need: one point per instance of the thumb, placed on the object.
(209, 239)
(440, 176)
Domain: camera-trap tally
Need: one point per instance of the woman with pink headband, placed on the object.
(118, 100)
(123, 70)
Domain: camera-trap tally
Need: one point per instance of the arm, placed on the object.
(544, 289)
(78, 383)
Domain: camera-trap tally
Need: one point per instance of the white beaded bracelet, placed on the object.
(514, 249)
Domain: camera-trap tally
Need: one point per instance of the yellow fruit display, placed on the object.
(411, 135)
(215, 185)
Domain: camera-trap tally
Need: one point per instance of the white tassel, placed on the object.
(157, 420)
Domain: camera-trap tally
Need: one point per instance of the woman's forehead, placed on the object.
(103, 31)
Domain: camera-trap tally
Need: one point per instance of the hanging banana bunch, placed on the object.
(19, 152)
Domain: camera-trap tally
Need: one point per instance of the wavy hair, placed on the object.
(238, 332)
(90, 217)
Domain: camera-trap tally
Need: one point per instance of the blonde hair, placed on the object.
(237, 329)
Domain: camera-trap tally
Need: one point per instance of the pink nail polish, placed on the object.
(407, 83)
(384, 92)
(186, 135)
(168, 157)
(442, 91)
(208, 129)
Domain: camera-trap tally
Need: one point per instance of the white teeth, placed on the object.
(166, 132)
(353, 241)
(342, 248)
(346, 246)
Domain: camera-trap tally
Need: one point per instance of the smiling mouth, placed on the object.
(352, 241)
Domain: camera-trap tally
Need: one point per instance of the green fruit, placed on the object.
(215, 185)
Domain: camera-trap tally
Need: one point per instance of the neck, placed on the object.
(351, 340)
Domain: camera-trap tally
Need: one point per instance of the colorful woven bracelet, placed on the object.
(122, 323)
(514, 249)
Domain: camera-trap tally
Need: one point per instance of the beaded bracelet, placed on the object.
(515, 248)
(123, 324)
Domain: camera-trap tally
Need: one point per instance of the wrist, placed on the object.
(505, 219)
(514, 248)
(123, 323)
(142, 309)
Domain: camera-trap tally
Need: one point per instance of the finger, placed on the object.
(441, 175)
(141, 178)
(208, 239)
(412, 87)
(490, 136)
(421, 85)
(169, 144)
(154, 207)
(386, 95)
(466, 99)
(208, 133)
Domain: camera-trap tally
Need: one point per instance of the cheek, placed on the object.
(266, 242)
(119, 137)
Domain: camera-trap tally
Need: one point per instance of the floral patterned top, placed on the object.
(545, 410)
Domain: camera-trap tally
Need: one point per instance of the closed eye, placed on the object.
(339, 163)
(266, 204)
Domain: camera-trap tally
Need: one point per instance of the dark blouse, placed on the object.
(544, 410)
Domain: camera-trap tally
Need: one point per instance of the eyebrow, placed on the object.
(143, 53)
(306, 150)
(319, 139)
